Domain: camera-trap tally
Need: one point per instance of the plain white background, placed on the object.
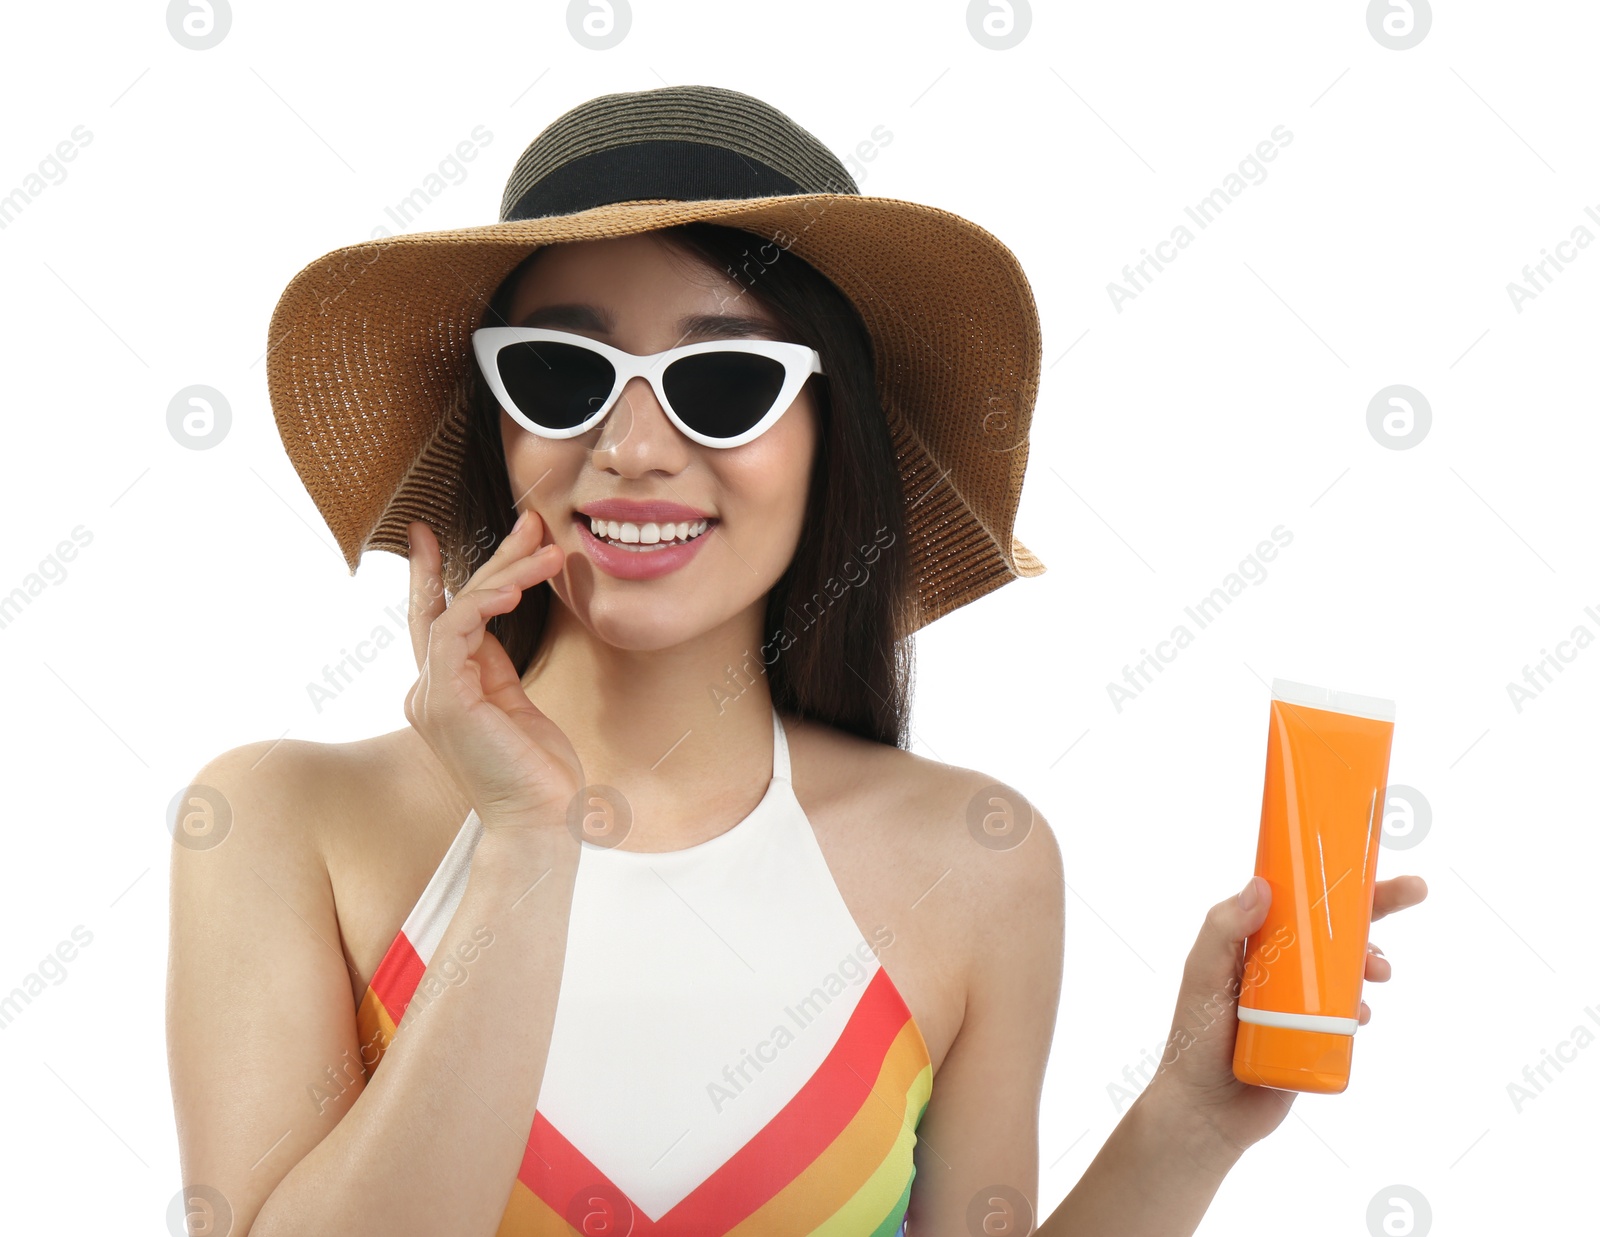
(1172, 434)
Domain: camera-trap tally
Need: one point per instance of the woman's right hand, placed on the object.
(515, 766)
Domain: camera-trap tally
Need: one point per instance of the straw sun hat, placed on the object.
(370, 350)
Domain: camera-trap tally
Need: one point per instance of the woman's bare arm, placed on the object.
(1155, 1176)
(265, 1065)
(978, 1146)
(978, 1142)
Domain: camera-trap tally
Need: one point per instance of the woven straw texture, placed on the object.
(369, 349)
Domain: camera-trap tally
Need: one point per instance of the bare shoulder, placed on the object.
(261, 938)
(299, 794)
(262, 817)
(345, 831)
(962, 870)
(255, 796)
(923, 816)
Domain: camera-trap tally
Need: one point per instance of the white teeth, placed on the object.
(634, 535)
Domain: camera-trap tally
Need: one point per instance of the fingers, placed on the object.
(1214, 962)
(534, 568)
(523, 540)
(498, 679)
(1233, 919)
(1378, 970)
(518, 560)
(453, 639)
(522, 558)
(1396, 894)
(1388, 896)
(460, 632)
(427, 591)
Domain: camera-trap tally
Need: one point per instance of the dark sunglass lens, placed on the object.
(555, 385)
(723, 394)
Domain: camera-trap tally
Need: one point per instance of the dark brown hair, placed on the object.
(832, 652)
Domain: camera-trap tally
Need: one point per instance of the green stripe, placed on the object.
(897, 1213)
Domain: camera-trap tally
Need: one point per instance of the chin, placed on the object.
(646, 625)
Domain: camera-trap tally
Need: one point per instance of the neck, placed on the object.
(684, 733)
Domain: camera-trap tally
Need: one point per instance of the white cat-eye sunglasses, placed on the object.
(720, 393)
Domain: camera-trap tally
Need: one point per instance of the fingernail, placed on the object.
(1375, 950)
(1249, 896)
(522, 518)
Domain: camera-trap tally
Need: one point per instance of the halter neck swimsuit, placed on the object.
(728, 1055)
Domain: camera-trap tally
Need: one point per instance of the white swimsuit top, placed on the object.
(728, 1055)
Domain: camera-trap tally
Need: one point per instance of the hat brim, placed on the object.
(369, 348)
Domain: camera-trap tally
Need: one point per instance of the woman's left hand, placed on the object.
(1195, 1078)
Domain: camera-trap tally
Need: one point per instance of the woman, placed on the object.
(647, 923)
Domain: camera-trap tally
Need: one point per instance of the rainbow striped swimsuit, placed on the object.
(728, 1055)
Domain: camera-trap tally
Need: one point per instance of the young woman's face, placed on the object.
(637, 294)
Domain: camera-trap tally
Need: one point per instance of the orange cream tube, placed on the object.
(1321, 812)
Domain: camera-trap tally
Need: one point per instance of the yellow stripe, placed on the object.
(878, 1134)
(871, 1203)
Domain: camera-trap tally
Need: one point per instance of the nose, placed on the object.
(637, 436)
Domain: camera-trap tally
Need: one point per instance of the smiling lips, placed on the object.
(641, 540)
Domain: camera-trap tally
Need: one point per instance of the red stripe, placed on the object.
(556, 1171)
(805, 1127)
(787, 1145)
(397, 978)
(551, 1161)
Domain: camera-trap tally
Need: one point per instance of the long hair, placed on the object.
(831, 649)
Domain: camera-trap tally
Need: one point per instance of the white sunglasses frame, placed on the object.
(799, 363)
